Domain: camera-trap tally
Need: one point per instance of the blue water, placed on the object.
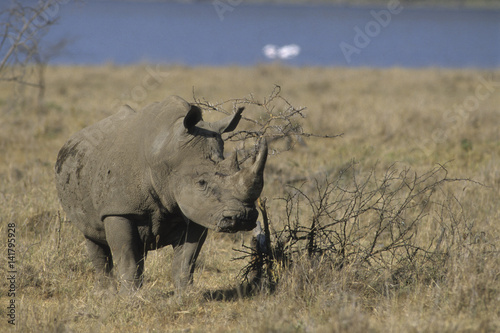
(196, 34)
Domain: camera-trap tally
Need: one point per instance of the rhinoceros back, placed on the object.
(87, 167)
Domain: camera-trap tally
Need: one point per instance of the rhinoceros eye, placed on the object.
(202, 183)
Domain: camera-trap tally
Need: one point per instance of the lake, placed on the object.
(229, 32)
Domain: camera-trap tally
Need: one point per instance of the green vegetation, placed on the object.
(397, 125)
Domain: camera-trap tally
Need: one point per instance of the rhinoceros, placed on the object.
(139, 181)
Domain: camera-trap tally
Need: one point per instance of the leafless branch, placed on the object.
(22, 28)
(371, 220)
(278, 120)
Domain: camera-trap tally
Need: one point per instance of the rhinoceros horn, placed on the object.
(260, 160)
(250, 181)
(230, 164)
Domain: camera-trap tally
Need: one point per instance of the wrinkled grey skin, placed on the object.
(138, 181)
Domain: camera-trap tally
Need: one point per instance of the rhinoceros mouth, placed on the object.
(233, 224)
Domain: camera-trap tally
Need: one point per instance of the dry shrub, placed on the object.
(273, 118)
(388, 228)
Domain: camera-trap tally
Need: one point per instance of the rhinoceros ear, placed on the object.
(193, 117)
(227, 124)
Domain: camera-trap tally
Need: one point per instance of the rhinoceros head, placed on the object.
(208, 189)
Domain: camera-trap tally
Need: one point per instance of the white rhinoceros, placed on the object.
(138, 181)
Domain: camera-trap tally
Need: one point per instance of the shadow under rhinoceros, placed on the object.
(242, 291)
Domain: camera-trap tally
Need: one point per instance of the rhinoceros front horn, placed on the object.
(260, 161)
(251, 180)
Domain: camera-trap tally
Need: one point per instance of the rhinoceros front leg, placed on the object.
(128, 251)
(185, 254)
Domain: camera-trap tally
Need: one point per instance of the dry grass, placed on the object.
(387, 116)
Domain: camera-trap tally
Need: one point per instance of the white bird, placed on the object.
(285, 52)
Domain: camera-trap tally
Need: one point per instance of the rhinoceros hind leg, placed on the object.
(100, 255)
(128, 251)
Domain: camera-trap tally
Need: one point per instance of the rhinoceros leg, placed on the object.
(185, 254)
(100, 255)
(127, 249)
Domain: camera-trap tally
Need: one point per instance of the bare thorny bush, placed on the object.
(277, 120)
(381, 223)
(395, 223)
(23, 57)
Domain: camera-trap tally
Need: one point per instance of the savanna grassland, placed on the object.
(396, 124)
